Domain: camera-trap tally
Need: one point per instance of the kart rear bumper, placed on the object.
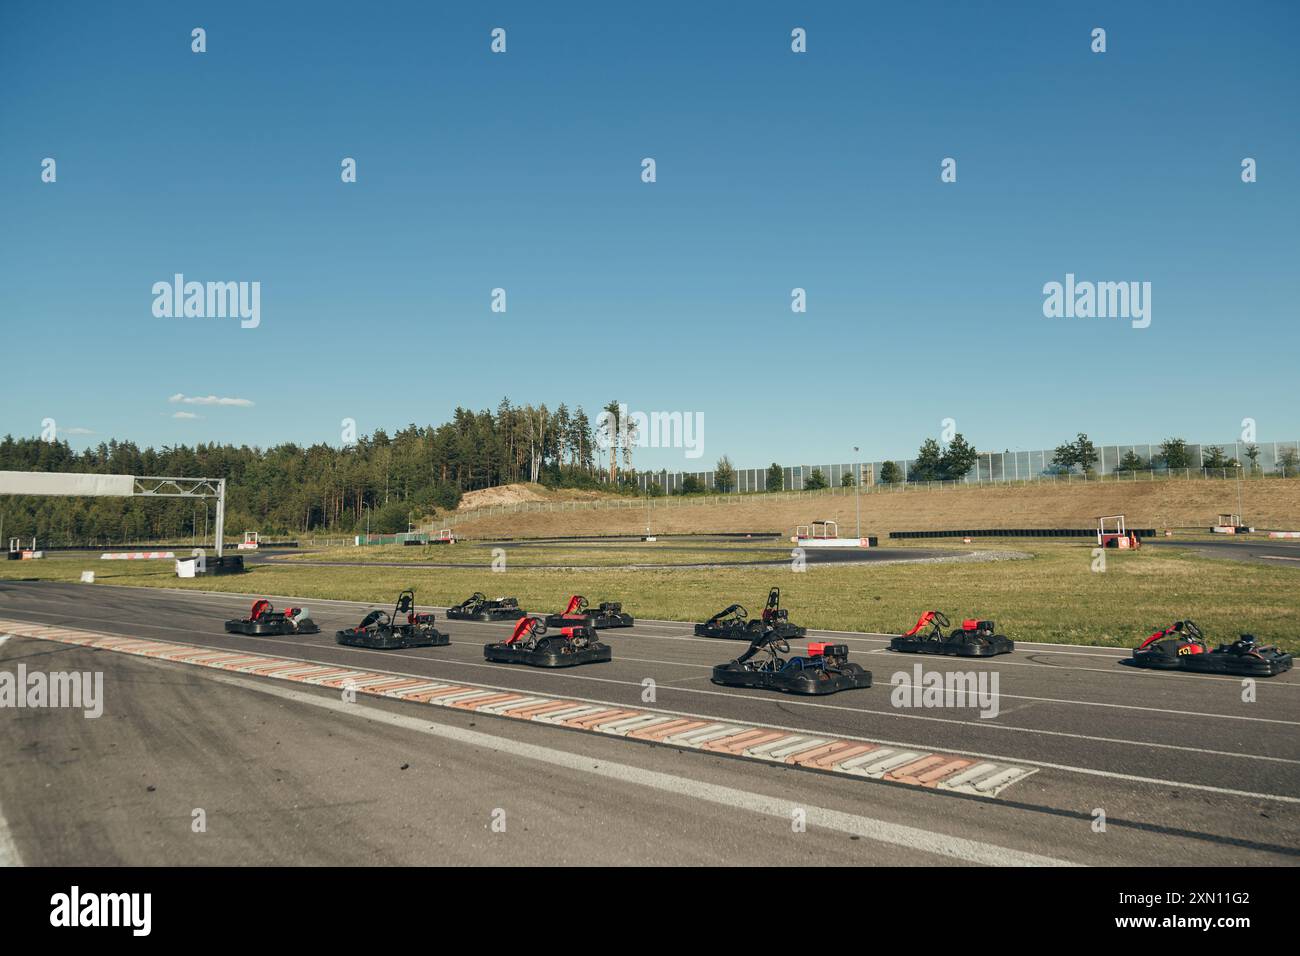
(502, 653)
(1238, 665)
(386, 639)
(726, 633)
(809, 682)
(258, 629)
(497, 615)
(557, 621)
(602, 621)
(988, 647)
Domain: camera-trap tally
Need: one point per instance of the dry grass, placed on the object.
(1269, 503)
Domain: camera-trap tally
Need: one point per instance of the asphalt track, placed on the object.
(1275, 551)
(1184, 771)
(780, 557)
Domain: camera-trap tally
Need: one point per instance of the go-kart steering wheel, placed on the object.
(376, 617)
(1192, 630)
(941, 619)
(782, 646)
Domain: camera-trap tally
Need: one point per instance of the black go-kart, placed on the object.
(265, 620)
(477, 607)
(404, 628)
(534, 643)
(732, 623)
(608, 614)
(824, 670)
(974, 638)
(1183, 647)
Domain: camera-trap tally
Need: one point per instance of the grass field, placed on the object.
(1052, 597)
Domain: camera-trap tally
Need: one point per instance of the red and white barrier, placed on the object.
(136, 555)
(1284, 534)
(833, 542)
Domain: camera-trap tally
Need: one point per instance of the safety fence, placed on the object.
(1281, 458)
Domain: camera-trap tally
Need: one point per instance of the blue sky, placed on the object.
(775, 171)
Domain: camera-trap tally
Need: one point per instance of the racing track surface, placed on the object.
(1184, 771)
(1275, 551)
(780, 557)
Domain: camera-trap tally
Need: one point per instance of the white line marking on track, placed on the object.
(1082, 650)
(881, 831)
(969, 723)
(594, 705)
(688, 664)
(8, 850)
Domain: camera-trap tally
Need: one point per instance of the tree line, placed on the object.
(954, 461)
(379, 481)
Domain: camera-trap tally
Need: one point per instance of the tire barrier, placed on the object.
(1018, 533)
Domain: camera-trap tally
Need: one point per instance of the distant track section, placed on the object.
(1017, 533)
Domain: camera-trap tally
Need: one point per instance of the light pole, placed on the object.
(1241, 510)
(857, 480)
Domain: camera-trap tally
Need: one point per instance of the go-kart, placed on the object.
(608, 614)
(1182, 646)
(825, 669)
(382, 631)
(265, 619)
(477, 607)
(533, 643)
(733, 622)
(975, 638)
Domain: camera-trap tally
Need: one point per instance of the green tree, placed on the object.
(1213, 457)
(1081, 452)
(775, 477)
(846, 480)
(610, 433)
(1252, 453)
(1063, 458)
(928, 465)
(1085, 453)
(958, 458)
(816, 481)
(691, 485)
(890, 473)
(1131, 461)
(1288, 463)
(1174, 454)
(724, 475)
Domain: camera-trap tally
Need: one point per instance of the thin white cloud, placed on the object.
(77, 431)
(186, 415)
(210, 400)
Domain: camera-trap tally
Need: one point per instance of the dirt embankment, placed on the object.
(523, 492)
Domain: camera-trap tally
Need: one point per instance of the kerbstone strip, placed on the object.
(849, 757)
